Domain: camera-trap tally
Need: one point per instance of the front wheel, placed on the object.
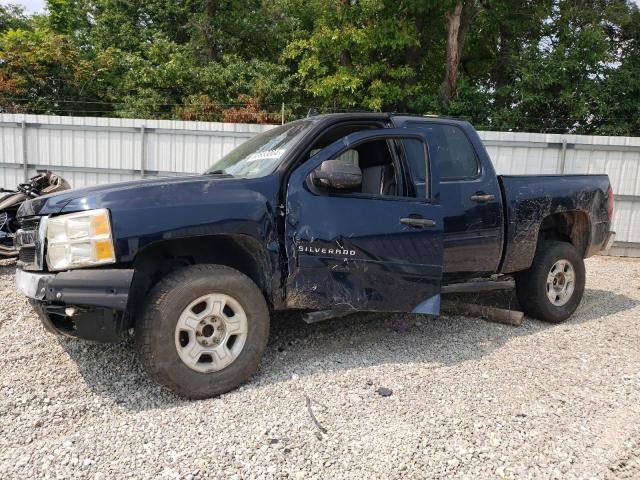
(552, 288)
(203, 331)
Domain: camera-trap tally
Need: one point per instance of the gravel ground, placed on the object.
(469, 399)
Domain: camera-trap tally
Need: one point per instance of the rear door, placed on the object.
(349, 250)
(471, 198)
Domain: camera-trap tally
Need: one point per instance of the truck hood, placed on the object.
(148, 211)
(134, 194)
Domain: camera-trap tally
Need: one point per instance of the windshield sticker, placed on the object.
(270, 154)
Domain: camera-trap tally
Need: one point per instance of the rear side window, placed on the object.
(414, 150)
(449, 149)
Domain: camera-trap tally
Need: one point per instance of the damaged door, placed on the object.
(353, 246)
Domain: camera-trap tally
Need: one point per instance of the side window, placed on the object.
(450, 150)
(377, 166)
(350, 156)
(414, 151)
(379, 176)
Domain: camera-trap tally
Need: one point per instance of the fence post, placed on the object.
(142, 151)
(282, 113)
(563, 155)
(25, 164)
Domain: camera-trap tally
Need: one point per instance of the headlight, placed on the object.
(79, 240)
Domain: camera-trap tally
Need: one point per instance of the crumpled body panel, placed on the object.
(352, 252)
(531, 198)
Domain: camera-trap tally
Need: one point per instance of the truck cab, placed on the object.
(329, 214)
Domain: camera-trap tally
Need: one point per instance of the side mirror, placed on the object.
(337, 174)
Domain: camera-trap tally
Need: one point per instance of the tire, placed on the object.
(533, 292)
(169, 331)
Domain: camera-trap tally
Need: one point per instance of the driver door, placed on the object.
(354, 251)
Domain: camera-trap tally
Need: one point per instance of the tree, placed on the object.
(238, 27)
(362, 54)
(12, 17)
(559, 78)
(534, 65)
(458, 22)
(42, 72)
(540, 65)
(617, 110)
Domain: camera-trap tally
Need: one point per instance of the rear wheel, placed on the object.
(552, 288)
(203, 331)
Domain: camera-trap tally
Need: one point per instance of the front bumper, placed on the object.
(96, 288)
(88, 304)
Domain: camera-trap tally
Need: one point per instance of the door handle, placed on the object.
(418, 222)
(482, 197)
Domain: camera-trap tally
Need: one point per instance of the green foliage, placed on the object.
(356, 55)
(42, 71)
(616, 108)
(549, 66)
(12, 17)
(239, 27)
(532, 65)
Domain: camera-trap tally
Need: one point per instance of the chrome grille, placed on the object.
(26, 241)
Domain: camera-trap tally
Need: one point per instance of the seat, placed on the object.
(378, 180)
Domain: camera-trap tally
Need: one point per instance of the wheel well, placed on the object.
(158, 259)
(572, 227)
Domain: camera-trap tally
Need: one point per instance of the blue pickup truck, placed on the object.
(329, 214)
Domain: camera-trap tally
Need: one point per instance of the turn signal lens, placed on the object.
(101, 225)
(104, 250)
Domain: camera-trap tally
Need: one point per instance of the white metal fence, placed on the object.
(619, 157)
(90, 151)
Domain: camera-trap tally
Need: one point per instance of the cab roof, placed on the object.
(382, 116)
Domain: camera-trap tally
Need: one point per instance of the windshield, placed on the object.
(260, 155)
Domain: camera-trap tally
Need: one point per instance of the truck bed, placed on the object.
(530, 199)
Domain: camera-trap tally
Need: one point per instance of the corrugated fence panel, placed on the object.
(522, 153)
(89, 151)
(619, 157)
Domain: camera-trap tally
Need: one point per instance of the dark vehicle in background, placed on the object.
(10, 200)
(330, 214)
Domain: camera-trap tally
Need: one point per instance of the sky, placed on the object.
(34, 6)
